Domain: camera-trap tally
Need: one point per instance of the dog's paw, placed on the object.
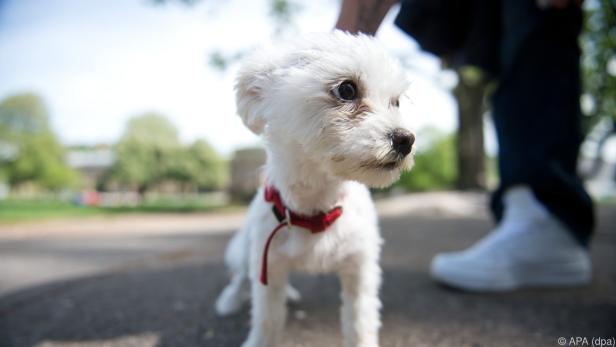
(252, 342)
(293, 295)
(249, 344)
(228, 303)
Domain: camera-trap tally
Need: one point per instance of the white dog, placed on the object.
(328, 108)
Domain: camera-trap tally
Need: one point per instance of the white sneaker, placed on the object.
(529, 247)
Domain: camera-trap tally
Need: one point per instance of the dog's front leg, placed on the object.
(360, 304)
(269, 310)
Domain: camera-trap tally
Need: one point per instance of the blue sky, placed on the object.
(96, 63)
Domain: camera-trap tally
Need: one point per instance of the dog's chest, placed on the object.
(322, 252)
(354, 234)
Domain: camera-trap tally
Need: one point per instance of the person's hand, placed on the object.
(558, 4)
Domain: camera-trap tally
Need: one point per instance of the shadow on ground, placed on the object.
(169, 301)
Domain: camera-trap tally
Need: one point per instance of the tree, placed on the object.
(35, 155)
(144, 152)
(210, 170)
(150, 153)
(23, 114)
(470, 93)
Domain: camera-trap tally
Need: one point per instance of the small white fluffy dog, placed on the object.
(328, 108)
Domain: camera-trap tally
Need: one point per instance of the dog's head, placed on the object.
(335, 98)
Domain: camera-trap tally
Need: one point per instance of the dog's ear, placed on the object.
(256, 79)
(251, 86)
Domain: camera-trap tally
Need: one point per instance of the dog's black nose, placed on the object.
(402, 141)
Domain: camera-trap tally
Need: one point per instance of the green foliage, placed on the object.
(435, 164)
(150, 153)
(38, 157)
(23, 114)
(282, 12)
(599, 47)
(41, 161)
(218, 61)
(209, 170)
(471, 75)
(144, 152)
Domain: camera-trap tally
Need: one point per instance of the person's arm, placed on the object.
(363, 15)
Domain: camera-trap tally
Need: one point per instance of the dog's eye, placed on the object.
(346, 91)
(395, 102)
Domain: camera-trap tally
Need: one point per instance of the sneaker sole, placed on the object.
(530, 275)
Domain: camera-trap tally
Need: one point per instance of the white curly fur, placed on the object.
(318, 149)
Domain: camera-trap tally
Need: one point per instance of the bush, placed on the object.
(435, 163)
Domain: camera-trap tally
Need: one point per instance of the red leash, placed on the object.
(316, 224)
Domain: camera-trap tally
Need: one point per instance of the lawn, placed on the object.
(25, 210)
(17, 210)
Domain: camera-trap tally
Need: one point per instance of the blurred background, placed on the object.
(128, 105)
(124, 169)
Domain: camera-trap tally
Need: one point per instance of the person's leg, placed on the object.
(544, 213)
(536, 112)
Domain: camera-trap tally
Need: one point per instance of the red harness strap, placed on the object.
(316, 224)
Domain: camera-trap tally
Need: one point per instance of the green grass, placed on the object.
(14, 210)
(171, 205)
(26, 210)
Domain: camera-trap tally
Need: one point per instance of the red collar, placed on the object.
(316, 224)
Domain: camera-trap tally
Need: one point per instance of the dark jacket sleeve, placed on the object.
(467, 32)
(439, 26)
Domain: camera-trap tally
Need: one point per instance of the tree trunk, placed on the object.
(469, 94)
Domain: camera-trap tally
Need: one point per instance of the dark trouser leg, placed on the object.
(536, 112)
